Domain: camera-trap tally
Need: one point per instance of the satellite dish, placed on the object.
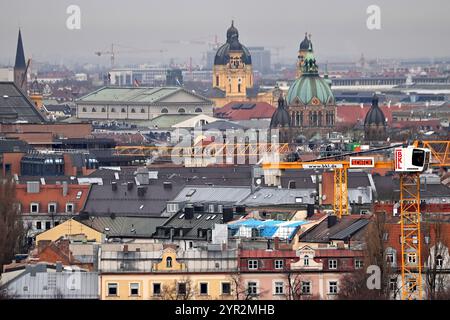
(258, 181)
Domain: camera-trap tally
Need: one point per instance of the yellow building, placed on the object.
(70, 228)
(233, 74)
(161, 275)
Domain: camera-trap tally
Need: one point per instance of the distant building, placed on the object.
(140, 103)
(375, 123)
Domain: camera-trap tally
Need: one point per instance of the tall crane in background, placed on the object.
(113, 52)
(409, 162)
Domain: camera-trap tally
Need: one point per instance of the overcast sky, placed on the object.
(409, 28)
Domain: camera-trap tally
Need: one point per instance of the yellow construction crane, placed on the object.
(409, 162)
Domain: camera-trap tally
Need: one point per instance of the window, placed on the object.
(332, 287)
(306, 287)
(123, 110)
(390, 258)
(103, 110)
(134, 289)
(164, 110)
(252, 264)
(204, 288)
(439, 261)
(93, 110)
(142, 110)
(169, 262)
(359, 264)
(279, 288)
(48, 225)
(38, 225)
(34, 207)
(112, 289)
(181, 288)
(211, 208)
(278, 264)
(198, 110)
(217, 81)
(181, 110)
(83, 110)
(252, 288)
(226, 288)
(412, 258)
(332, 264)
(393, 284)
(133, 110)
(69, 208)
(306, 260)
(157, 289)
(113, 110)
(52, 207)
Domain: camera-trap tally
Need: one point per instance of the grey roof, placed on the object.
(45, 284)
(13, 145)
(345, 227)
(125, 227)
(222, 125)
(15, 105)
(223, 194)
(102, 200)
(276, 196)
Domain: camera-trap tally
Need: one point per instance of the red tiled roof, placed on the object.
(259, 253)
(338, 253)
(261, 110)
(352, 114)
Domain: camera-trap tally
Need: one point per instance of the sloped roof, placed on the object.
(347, 226)
(241, 110)
(15, 106)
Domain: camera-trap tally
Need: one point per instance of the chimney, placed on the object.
(114, 186)
(65, 187)
(309, 210)
(172, 232)
(189, 212)
(59, 266)
(227, 214)
(208, 235)
(129, 185)
(331, 220)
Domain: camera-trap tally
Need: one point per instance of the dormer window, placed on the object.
(169, 262)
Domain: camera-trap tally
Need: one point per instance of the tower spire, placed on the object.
(20, 56)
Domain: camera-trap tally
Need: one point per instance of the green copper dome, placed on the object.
(310, 88)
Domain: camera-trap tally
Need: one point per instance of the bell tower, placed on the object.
(305, 47)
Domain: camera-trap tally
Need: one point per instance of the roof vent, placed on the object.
(167, 185)
(129, 185)
(114, 186)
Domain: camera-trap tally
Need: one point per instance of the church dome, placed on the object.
(223, 53)
(310, 88)
(375, 115)
(280, 117)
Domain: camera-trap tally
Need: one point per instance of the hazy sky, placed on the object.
(409, 28)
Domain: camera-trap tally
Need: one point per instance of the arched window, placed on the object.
(164, 110)
(93, 110)
(306, 260)
(169, 262)
(181, 110)
(113, 110)
(142, 110)
(103, 110)
(239, 87)
(217, 80)
(198, 110)
(123, 110)
(83, 110)
(133, 111)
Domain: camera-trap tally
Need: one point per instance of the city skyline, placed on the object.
(156, 26)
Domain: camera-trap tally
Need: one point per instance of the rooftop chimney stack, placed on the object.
(332, 220)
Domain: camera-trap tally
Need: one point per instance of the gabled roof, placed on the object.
(241, 110)
(347, 226)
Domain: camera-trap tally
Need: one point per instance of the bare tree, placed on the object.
(436, 278)
(183, 289)
(354, 285)
(11, 225)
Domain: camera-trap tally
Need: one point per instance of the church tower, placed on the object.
(232, 70)
(305, 47)
(20, 67)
